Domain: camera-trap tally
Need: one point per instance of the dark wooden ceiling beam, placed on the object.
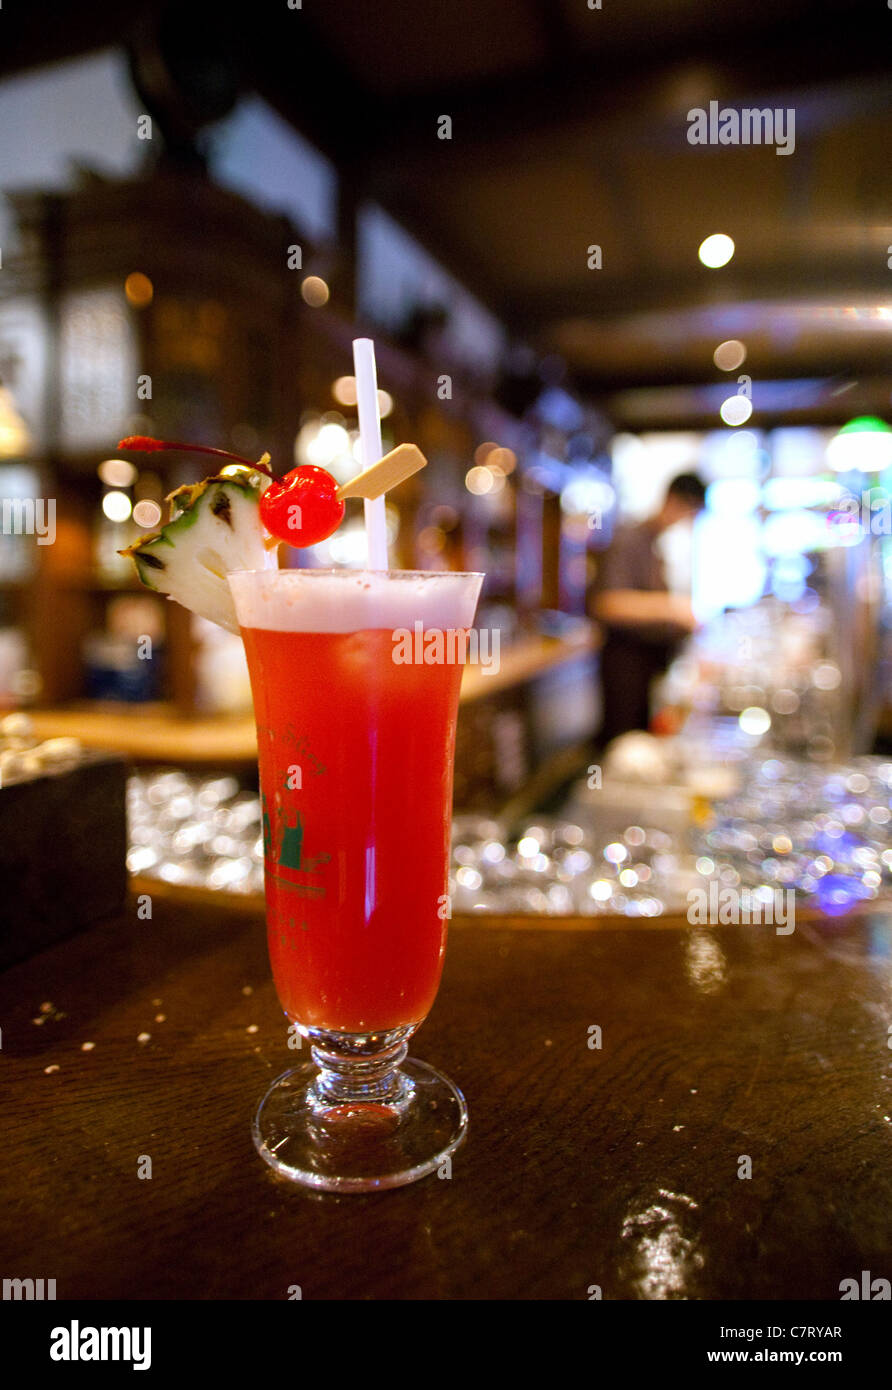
(821, 407)
(809, 280)
(844, 366)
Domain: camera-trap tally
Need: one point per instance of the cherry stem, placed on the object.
(144, 444)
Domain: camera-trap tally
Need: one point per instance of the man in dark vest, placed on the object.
(643, 622)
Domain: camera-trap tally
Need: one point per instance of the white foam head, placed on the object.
(353, 600)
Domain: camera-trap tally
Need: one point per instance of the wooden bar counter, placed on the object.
(724, 1052)
(155, 733)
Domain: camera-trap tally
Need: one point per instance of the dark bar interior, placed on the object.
(621, 274)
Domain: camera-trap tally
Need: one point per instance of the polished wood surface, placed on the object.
(615, 1167)
(153, 733)
(156, 733)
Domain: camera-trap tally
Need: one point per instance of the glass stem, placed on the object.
(357, 1068)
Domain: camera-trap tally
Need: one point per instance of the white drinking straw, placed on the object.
(370, 447)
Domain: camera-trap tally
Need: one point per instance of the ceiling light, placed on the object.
(716, 250)
(736, 410)
(730, 355)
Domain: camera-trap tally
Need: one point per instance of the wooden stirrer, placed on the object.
(393, 468)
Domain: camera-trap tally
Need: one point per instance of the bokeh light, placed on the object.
(729, 355)
(315, 292)
(501, 460)
(864, 443)
(736, 410)
(344, 390)
(755, 720)
(117, 506)
(139, 289)
(117, 473)
(716, 250)
(480, 480)
(147, 513)
(483, 451)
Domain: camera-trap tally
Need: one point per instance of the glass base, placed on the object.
(307, 1129)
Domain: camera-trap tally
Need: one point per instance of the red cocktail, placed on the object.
(356, 738)
(356, 776)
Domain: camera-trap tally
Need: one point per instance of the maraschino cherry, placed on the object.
(302, 508)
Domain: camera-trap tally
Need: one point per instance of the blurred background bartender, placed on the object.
(644, 623)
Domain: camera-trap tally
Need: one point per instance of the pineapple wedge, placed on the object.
(215, 528)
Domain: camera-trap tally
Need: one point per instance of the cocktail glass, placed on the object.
(355, 677)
